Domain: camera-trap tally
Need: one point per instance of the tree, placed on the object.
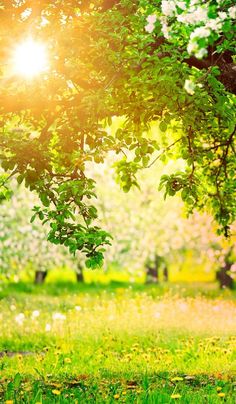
(23, 246)
(169, 62)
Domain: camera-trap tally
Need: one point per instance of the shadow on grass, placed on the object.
(209, 290)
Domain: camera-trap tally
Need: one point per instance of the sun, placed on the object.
(30, 58)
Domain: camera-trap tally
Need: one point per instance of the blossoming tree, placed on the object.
(169, 62)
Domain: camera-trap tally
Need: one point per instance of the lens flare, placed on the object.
(30, 58)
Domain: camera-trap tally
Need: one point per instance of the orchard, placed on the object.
(117, 162)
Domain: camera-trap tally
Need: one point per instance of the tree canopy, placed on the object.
(169, 62)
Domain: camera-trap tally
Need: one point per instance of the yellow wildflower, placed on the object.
(56, 392)
(67, 360)
(175, 396)
(116, 396)
(221, 395)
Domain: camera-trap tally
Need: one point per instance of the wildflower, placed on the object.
(78, 308)
(35, 314)
(175, 396)
(48, 327)
(59, 316)
(177, 379)
(20, 318)
(67, 360)
(56, 392)
(116, 396)
(222, 395)
(189, 86)
(9, 402)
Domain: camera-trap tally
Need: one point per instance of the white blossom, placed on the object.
(181, 4)
(151, 19)
(165, 28)
(149, 28)
(232, 12)
(222, 15)
(200, 32)
(192, 47)
(201, 53)
(214, 24)
(168, 8)
(189, 86)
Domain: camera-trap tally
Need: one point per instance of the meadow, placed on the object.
(72, 343)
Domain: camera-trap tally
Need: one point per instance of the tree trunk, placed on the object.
(225, 280)
(80, 274)
(40, 277)
(165, 274)
(152, 274)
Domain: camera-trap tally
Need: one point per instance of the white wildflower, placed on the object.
(58, 316)
(78, 308)
(20, 318)
(48, 327)
(189, 86)
(168, 8)
(35, 314)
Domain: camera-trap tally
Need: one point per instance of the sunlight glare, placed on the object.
(30, 58)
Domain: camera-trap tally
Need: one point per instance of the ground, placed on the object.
(69, 343)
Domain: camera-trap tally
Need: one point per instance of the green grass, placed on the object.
(117, 343)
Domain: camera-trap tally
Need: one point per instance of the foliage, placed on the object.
(23, 245)
(142, 60)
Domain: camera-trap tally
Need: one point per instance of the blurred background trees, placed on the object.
(153, 239)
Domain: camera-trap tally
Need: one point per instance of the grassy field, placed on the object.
(69, 343)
